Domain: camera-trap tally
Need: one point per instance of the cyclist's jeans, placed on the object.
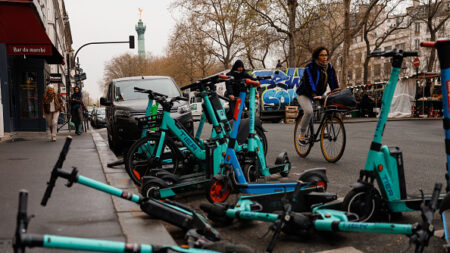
(306, 105)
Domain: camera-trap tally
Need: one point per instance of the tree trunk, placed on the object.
(433, 52)
(366, 60)
(346, 45)
(292, 6)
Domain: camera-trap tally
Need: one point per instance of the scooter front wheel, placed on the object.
(365, 202)
(217, 191)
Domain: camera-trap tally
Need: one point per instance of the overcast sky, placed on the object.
(115, 20)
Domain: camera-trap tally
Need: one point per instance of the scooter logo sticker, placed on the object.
(448, 94)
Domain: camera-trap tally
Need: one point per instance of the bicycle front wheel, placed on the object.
(332, 139)
(140, 159)
(303, 149)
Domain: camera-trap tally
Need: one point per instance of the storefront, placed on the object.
(25, 52)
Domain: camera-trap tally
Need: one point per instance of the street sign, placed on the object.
(55, 78)
(416, 62)
(80, 77)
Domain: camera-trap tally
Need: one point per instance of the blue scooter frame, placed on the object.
(220, 188)
(443, 50)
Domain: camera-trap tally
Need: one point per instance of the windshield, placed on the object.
(101, 111)
(124, 90)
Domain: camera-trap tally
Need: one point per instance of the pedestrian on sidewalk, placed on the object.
(318, 74)
(51, 107)
(76, 102)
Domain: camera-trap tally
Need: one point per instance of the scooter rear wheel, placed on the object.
(365, 202)
(217, 191)
(251, 173)
(149, 189)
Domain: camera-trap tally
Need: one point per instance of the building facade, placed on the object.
(379, 69)
(35, 38)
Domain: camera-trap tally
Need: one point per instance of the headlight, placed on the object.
(184, 109)
(122, 113)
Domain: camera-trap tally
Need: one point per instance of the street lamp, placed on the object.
(130, 42)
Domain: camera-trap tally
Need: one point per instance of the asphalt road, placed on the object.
(423, 154)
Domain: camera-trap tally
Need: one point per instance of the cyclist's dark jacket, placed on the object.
(233, 86)
(312, 83)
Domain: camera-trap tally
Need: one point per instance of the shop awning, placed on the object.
(23, 32)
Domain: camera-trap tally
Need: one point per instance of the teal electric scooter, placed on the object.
(302, 213)
(23, 240)
(384, 164)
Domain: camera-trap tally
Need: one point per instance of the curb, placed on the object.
(135, 224)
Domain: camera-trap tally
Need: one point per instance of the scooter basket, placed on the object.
(152, 121)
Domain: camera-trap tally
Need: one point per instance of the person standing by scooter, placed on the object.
(76, 101)
(317, 75)
(51, 107)
(233, 87)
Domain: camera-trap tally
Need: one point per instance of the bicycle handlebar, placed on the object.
(212, 80)
(224, 98)
(151, 93)
(54, 176)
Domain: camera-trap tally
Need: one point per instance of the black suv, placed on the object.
(123, 105)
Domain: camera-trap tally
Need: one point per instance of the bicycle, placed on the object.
(330, 134)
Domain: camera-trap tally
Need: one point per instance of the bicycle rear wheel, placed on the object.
(140, 159)
(332, 139)
(303, 149)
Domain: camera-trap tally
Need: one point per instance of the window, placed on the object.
(387, 48)
(387, 69)
(124, 89)
(358, 74)
(400, 46)
(377, 70)
(416, 44)
(417, 28)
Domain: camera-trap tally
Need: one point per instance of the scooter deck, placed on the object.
(412, 202)
(304, 201)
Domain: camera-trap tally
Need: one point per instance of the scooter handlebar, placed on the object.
(21, 222)
(250, 82)
(54, 175)
(425, 231)
(430, 44)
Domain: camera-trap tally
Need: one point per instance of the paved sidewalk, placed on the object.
(26, 161)
(136, 225)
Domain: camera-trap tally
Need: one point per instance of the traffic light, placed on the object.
(131, 41)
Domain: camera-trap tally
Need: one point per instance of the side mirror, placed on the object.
(104, 102)
(185, 94)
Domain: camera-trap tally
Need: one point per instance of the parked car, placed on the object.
(97, 117)
(123, 105)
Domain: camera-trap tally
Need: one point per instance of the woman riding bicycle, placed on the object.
(317, 75)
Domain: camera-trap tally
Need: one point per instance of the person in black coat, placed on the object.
(76, 102)
(318, 74)
(234, 87)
